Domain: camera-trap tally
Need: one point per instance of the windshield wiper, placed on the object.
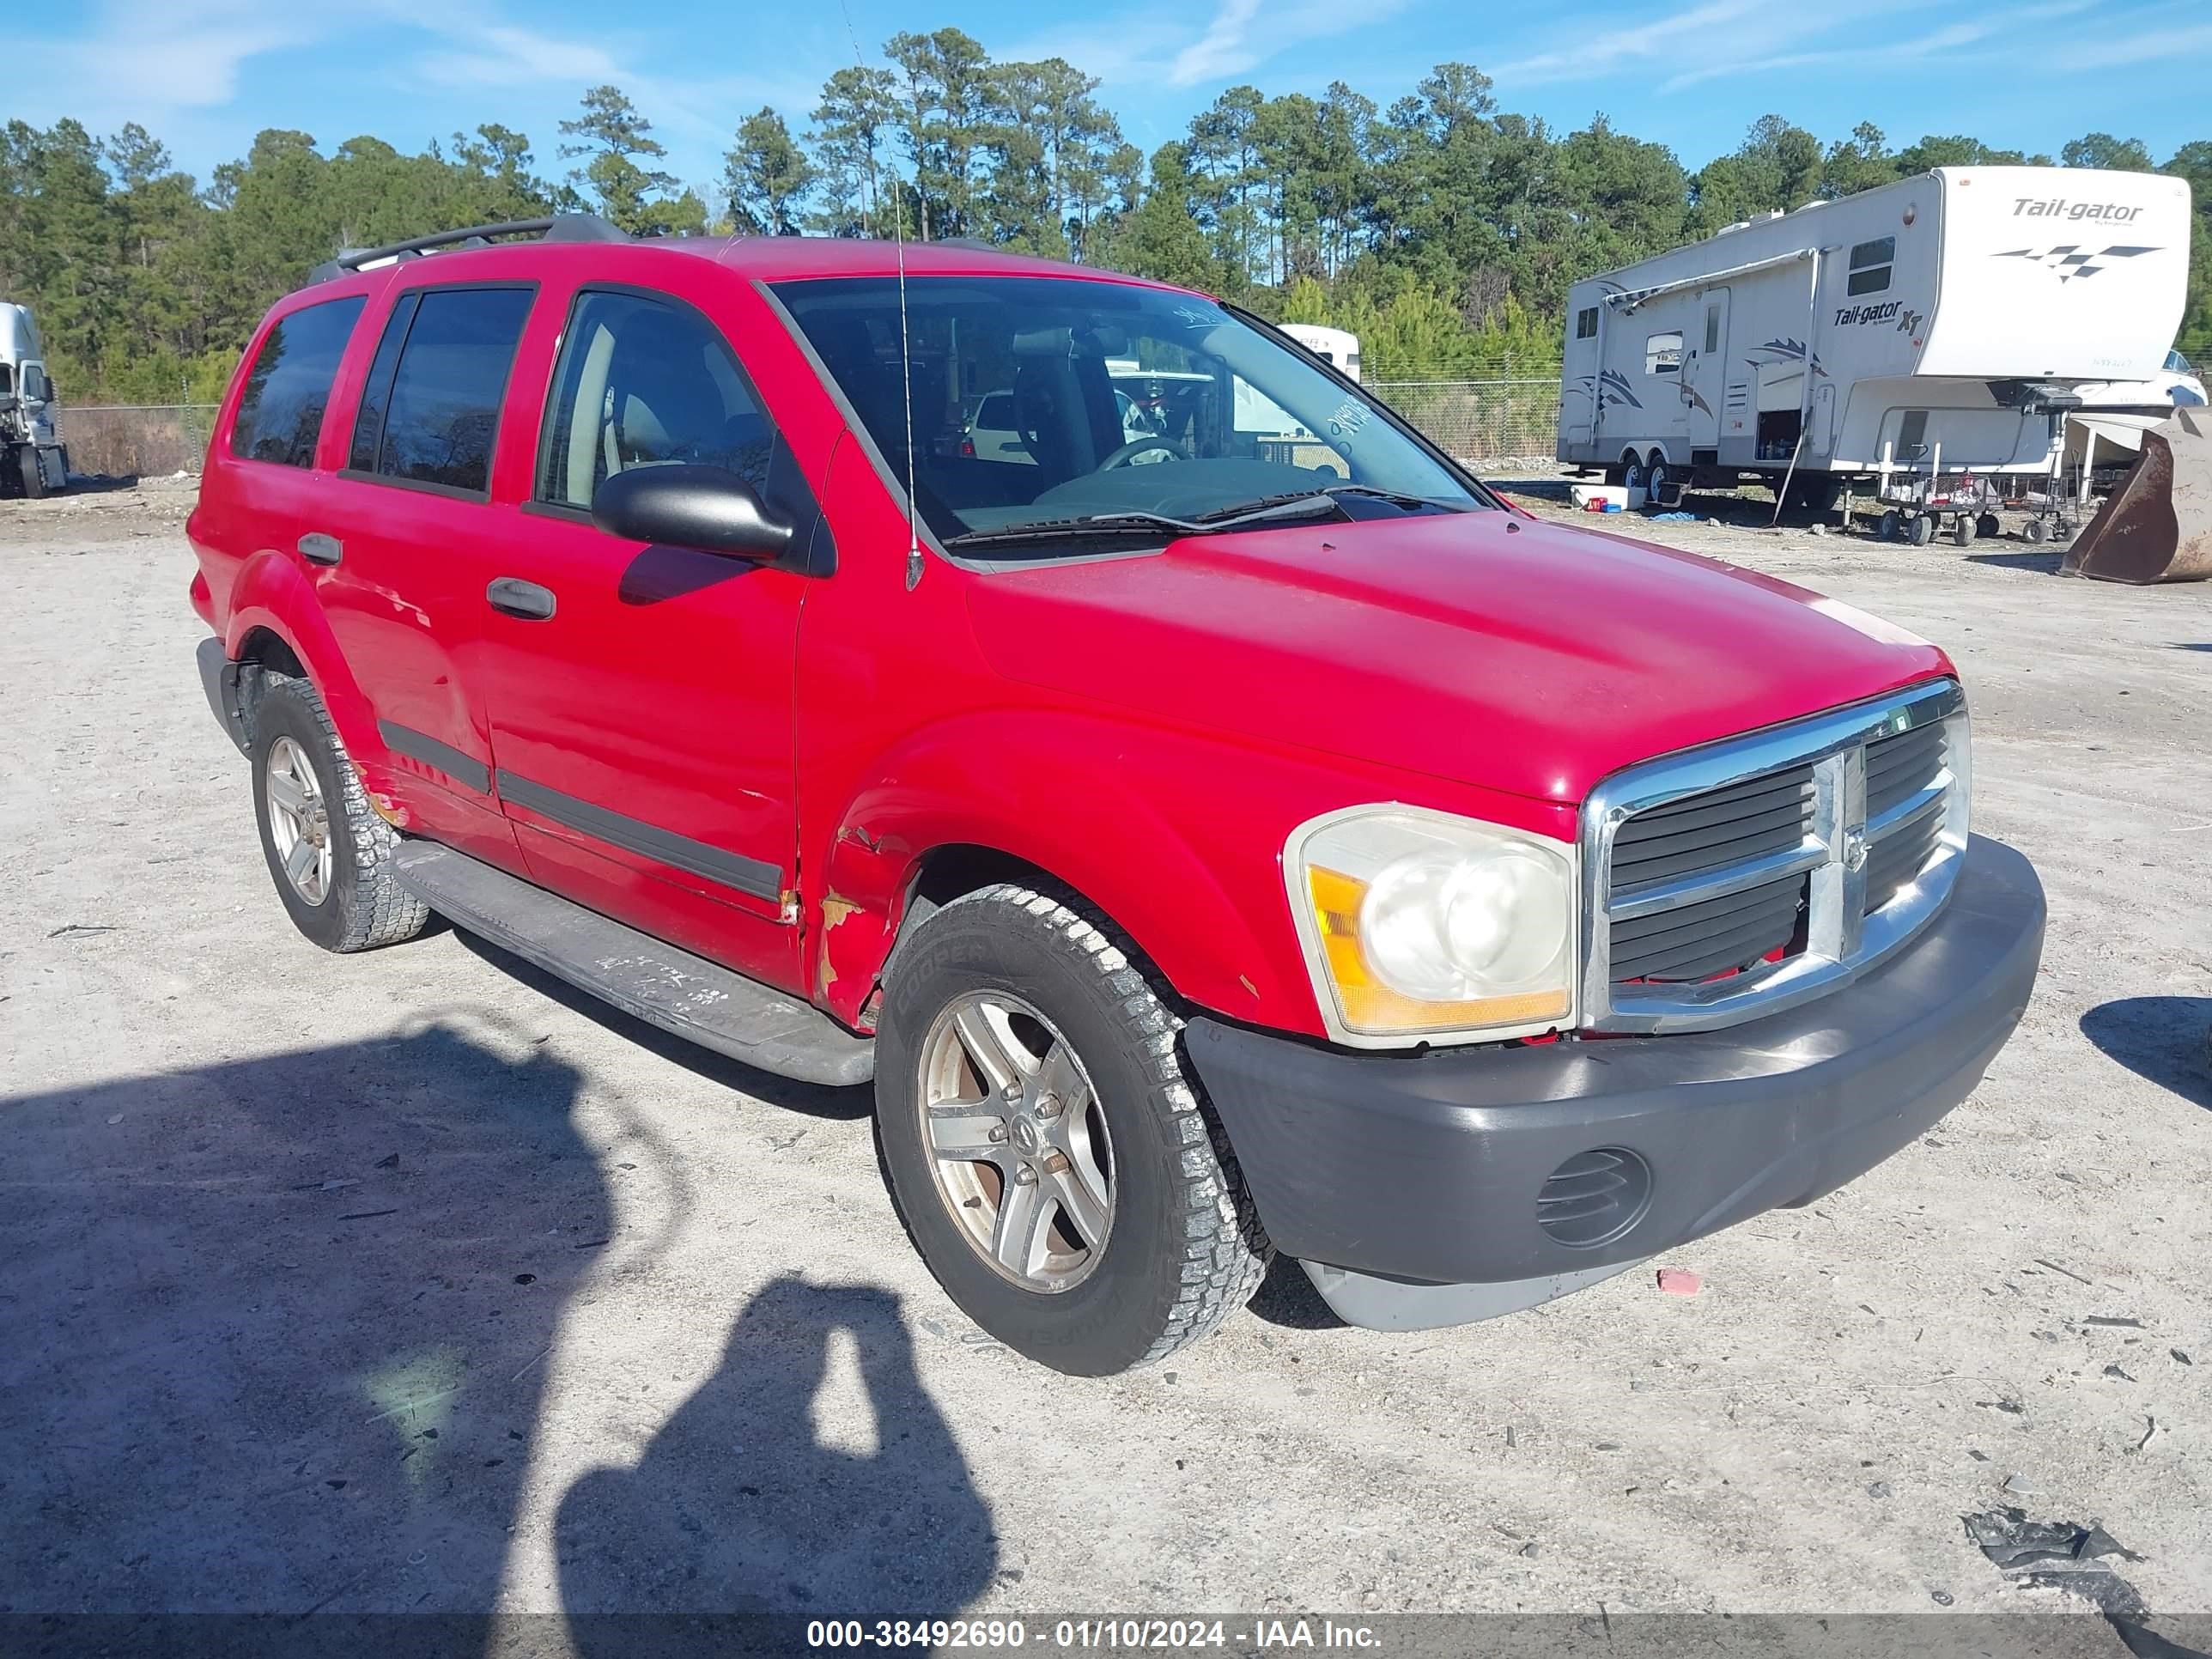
(1138, 523)
(1328, 493)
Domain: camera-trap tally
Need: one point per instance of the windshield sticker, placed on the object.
(1348, 418)
(1200, 316)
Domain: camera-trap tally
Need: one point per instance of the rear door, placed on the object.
(641, 696)
(404, 530)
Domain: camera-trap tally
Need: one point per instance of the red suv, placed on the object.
(1250, 834)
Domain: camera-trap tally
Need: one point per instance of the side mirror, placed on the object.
(707, 508)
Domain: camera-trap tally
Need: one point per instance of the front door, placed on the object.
(641, 698)
(1704, 372)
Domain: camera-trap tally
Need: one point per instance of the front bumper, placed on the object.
(1408, 1184)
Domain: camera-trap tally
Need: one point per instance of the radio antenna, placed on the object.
(913, 559)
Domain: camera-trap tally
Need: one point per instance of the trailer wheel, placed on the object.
(1962, 530)
(1892, 525)
(1920, 530)
(1632, 475)
(2035, 529)
(1988, 525)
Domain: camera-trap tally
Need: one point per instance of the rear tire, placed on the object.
(1920, 530)
(2035, 531)
(966, 1124)
(1892, 525)
(1962, 530)
(329, 854)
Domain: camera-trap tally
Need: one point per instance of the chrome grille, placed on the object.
(1732, 880)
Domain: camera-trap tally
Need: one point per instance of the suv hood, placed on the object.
(1487, 647)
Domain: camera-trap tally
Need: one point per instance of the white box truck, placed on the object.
(1938, 325)
(32, 461)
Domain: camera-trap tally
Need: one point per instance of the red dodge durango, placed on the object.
(1216, 822)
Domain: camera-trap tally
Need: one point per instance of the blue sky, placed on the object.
(206, 75)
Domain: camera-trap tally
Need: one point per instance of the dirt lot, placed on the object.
(414, 1281)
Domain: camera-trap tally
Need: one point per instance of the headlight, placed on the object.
(1416, 923)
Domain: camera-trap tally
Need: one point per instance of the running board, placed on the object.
(659, 982)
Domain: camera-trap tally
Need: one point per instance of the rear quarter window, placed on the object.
(280, 408)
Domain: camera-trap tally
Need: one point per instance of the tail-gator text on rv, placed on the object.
(2058, 206)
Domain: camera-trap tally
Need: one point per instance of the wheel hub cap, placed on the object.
(299, 821)
(1018, 1146)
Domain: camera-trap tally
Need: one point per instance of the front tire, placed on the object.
(1047, 1153)
(33, 474)
(329, 854)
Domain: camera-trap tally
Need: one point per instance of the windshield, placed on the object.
(1052, 401)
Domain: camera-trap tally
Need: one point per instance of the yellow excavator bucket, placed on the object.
(2157, 525)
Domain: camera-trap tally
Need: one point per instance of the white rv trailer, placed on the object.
(1945, 321)
(1334, 346)
(31, 458)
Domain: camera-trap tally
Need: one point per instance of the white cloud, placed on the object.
(1909, 48)
(499, 55)
(2154, 45)
(1223, 50)
(1594, 51)
(1154, 45)
(141, 59)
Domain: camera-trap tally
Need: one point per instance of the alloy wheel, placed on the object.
(299, 821)
(1016, 1140)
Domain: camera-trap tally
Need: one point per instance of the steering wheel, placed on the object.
(1128, 454)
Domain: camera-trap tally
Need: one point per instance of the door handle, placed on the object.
(318, 549)
(521, 598)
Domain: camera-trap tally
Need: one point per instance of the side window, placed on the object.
(644, 383)
(1586, 323)
(8, 381)
(1662, 354)
(430, 411)
(1870, 264)
(1712, 331)
(280, 410)
(1913, 435)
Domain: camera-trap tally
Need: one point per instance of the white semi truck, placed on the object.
(1939, 325)
(33, 459)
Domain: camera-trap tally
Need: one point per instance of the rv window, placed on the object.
(1662, 354)
(1913, 435)
(1586, 323)
(1712, 331)
(280, 410)
(8, 381)
(1870, 263)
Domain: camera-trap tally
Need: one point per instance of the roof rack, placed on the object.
(560, 227)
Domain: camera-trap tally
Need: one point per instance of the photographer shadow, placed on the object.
(739, 1512)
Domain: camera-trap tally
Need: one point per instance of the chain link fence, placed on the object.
(1484, 419)
(145, 440)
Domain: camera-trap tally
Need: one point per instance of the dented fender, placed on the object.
(953, 786)
(270, 593)
(1176, 834)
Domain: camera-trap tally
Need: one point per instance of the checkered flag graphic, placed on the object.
(2070, 259)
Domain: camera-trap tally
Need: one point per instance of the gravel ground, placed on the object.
(415, 1281)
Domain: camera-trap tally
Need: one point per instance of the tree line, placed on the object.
(1442, 228)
